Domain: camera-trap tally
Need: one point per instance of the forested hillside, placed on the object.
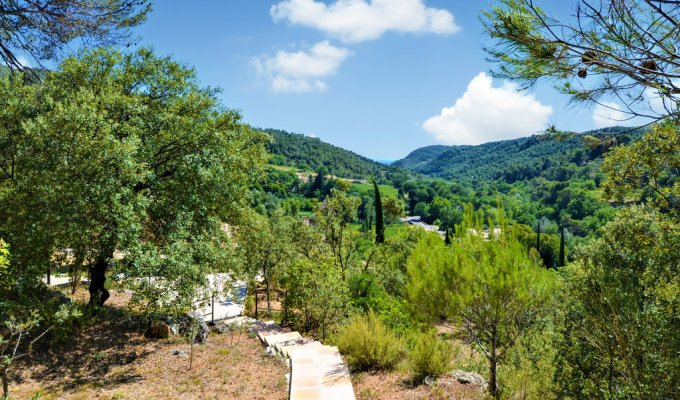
(312, 154)
(515, 159)
(421, 156)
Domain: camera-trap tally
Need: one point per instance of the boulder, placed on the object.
(193, 320)
(469, 378)
(158, 330)
(221, 328)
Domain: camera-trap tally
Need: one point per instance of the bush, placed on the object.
(368, 345)
(249, 305)
(430, 357)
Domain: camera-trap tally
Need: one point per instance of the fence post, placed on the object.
(212, 319)
(255, 303)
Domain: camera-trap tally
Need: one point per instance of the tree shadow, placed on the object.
(102, 343)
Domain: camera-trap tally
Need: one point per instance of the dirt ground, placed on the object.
(108, 359)
(395, 386)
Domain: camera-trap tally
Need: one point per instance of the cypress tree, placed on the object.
(379, 223)
(447, 238)
(562, 253)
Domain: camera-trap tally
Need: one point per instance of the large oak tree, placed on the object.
(125, 154)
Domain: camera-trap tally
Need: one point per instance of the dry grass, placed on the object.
(109, 360)
(395, 386)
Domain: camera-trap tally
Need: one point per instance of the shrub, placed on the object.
(368, 345)
(430, 357)
(249, 305)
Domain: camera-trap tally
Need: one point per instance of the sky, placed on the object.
(378, 77)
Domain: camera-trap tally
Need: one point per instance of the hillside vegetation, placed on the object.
(512, 160)
(311, 154)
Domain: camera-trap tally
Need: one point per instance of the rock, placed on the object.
(158, 330)
(179, 353)
(221, 328)
(193, 320)
(469, 378)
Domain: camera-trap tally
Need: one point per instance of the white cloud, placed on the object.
(485, 113)
(301, 71)
(609, 114)
(361, 20)
(24, 61)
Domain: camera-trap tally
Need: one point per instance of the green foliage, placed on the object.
(608, 43)
(317, 298)
(311, 154)
(44, 28)
(379, 217)
(529, 369)
(429, 357)
(334, 217)
(127, 153)
(619, 335)
(647, 170)
(368, 345)
(491, 287)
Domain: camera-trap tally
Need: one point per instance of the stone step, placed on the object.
(285, 337)
(288, 349)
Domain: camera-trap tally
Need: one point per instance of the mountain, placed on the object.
(421, 156)
(516, 159)
(311, 154)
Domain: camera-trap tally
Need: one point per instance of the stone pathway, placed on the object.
(317, 371)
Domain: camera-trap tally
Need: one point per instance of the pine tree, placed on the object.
(379, 222)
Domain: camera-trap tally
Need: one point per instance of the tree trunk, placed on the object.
(5, 383)
(269, 304)
(493, 386)
(493, 362)
(98, 293)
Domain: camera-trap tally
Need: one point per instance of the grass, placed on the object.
(367, 189)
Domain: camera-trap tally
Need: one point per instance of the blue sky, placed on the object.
(372, 76)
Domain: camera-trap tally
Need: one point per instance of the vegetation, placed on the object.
(626, 49)
(558, 264)
(492, 288)
(43, 28)
(311, 154)
(369, 345)
(430, 357)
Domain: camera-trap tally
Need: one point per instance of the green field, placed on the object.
(367, 189)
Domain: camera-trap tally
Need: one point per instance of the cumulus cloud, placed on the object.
(486, 113)
(301, 71)
(361, 20)
(609, 114)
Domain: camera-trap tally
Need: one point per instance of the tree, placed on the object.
(125, 154)
(43, 28)
(647, 170)
(394, 209)
(316, 295)
(266, 248)
(334, 217)
(562, 262)
(23, 323)
(626, 49)
(619, 334)
(379, 221)
(492, 287)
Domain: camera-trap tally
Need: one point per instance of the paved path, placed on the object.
(317, 371)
